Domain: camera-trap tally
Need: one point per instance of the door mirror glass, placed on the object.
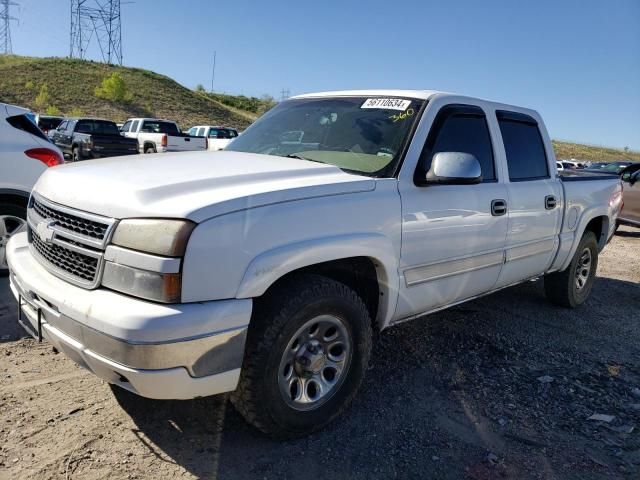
(454, 168)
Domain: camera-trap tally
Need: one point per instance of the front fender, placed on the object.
(267, 268)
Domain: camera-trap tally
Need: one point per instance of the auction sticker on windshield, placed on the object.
(386, 103)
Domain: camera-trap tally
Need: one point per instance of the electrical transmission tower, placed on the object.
(5, 26)
(99, 21)
(284, 94)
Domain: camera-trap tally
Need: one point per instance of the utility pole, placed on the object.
(213, 72)
(284, 94)
(99, 19)
(5, 26)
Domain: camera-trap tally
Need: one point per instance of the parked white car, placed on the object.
(25, 153)
(158, 136)
(263, 269)
(217, 137)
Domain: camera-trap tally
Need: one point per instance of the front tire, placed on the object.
(571, 287)
(307, 352)
(12, 221)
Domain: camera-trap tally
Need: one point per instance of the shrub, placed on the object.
(52, 110)
(29, 85)
(114, 89)
(42, 99)
(76, 112)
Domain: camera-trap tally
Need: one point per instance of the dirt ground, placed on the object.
(501, 387)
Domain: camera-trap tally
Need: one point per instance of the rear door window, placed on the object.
(24, 123)
(523, 145)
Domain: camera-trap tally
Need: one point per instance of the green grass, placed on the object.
(72, 83)
(71, 86)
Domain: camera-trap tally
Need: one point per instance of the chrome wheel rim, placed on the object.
(9, 226)
(315, 362)
(583, 269)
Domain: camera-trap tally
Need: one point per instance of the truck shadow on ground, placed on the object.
(450, 396)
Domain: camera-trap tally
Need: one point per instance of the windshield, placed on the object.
(359, 134)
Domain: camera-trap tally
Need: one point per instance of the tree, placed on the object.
(200, 88)
(42, 99)
(114, 88)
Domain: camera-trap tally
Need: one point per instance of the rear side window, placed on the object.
(523, 145)
(24, 123)
(459, 128)
(152, 126)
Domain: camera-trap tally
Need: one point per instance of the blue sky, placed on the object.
(575, 61)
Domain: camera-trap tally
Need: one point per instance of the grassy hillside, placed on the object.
(566, 150)
(71, 88)
(71, 85)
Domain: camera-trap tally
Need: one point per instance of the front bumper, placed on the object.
(158, 351)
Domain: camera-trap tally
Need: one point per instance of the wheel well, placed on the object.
(13, 199)
(358, 273)
(599, 226)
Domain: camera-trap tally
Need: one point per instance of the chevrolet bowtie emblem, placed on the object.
(44, 231)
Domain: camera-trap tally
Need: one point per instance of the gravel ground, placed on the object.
(501, 387)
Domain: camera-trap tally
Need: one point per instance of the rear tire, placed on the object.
(12, 220)
(289, 385)
(149, 149)
(571, 287)
(75, 156)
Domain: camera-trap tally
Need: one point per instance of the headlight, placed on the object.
(159, 236)
(146, 266)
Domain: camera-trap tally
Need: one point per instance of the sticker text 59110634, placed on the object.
(387, 103)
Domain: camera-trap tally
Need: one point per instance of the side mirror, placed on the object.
(454, 168)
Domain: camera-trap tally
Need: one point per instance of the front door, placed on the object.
(452, 240)
(631, 197)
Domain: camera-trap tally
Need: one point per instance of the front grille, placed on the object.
(73, 223)
(74, 263)
(69, 243)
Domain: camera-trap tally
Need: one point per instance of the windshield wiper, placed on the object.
(300, 157)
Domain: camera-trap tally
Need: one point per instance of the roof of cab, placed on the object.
(421, 94)
(418, 94)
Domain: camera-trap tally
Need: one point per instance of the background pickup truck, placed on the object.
(82, 138)
(264, 268)
(217, 137)
(154, 136)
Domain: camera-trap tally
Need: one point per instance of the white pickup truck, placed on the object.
(263, 269)
(158, 136)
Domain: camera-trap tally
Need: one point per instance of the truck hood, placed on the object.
(193, 185)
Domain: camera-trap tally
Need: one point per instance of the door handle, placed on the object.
(550, 202)
(498, 207)
(187, 139)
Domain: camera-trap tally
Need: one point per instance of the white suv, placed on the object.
(25, 153)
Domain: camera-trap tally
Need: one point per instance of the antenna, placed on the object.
(99, 20)
(5, 26)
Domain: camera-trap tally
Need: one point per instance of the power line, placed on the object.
(98, 21)
(5, 26)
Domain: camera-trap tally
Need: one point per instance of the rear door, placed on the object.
(452, 239)
(534, 196)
